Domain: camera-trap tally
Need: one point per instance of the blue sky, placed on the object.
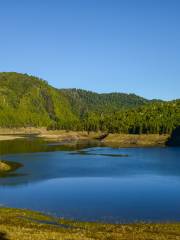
(128, 46)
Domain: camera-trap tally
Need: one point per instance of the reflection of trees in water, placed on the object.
(3, 236)
(174, 139)
(28, 145)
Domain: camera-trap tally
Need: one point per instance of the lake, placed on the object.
(90, 182)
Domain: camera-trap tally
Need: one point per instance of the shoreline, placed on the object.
(24, 224)
(114, 140)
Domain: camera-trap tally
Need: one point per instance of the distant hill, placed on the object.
(27, 101)
(83, 101)
(30, 100)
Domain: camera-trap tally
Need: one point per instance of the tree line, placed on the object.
(160, 117)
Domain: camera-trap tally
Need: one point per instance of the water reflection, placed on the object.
(34, 144)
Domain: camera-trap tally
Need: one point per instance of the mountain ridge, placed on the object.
(85, 100)
(27, 101)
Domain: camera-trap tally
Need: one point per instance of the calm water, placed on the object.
(93, 183)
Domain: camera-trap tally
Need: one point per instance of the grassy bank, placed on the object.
(136, 139)
(26, 225)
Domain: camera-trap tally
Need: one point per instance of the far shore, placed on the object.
(115, 139)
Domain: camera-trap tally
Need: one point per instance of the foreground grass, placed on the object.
(18, 224)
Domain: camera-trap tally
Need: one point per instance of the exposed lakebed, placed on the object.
(93, 183)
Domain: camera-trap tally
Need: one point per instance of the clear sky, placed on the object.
(100, 45)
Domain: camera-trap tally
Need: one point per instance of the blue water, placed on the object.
(85, 185)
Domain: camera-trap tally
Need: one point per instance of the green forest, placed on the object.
(27, 101)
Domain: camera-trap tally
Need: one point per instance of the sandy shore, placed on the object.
(57, 135)
(129, 140)
(9, 137)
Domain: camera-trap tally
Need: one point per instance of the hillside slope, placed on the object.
(30, 101)
(83, 101)
(27, 101)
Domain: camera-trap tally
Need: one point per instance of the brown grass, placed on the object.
(136, 139)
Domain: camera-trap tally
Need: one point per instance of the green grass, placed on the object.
(18, 224)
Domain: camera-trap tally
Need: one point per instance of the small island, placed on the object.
(6, 166)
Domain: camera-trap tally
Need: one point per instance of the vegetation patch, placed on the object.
(6, 167)
(18, 224)
(27, 101)
(131, 140)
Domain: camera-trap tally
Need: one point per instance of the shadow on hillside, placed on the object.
(3, 236)
(174, 139)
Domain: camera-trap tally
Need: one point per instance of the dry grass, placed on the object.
(60, 135)
(136, 140)
(21, 225)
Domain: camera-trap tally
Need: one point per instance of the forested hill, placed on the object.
(29, 101)
(83, 101)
